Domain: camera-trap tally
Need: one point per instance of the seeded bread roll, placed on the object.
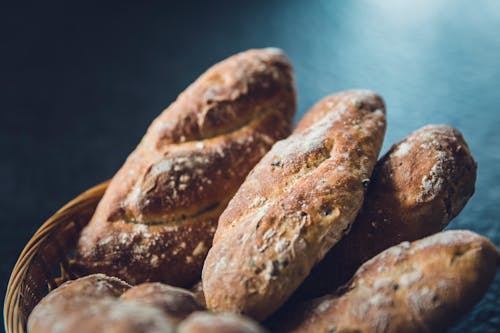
(416, 189)
(176, 303)
(206, 322)
(158, 216)
(90, 304)
(425, 286)
(297, 202)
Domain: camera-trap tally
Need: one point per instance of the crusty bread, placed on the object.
(416, 189)
(297, 202)
(89, 305)
(176, 303)
(158, 216)
(424, 286)
(99, 303)
(206, 322)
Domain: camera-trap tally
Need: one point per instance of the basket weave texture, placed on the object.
(46, 260)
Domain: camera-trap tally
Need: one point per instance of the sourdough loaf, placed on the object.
(424, 286)
(297, 202)
(158, 216)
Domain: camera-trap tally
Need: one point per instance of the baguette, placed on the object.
(158, 216)
(297, 202)
(416, 189)
(424, 286)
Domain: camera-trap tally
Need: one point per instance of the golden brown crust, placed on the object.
(297, 202)
(421, 184)
(89, 305)
(176, 303)
(158, 215)
(424, 286)
(206, 322)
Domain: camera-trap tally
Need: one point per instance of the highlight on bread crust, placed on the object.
(424, 286)
(416, 189)
(297, 202)
(207, 322)
(158, 216)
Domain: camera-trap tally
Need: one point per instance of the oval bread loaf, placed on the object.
(424, 286)
(297, 202)
(419, 185)
(158, 216)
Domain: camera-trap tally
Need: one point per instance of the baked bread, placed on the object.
(176, 303)
(158, 216)
(207, 322)
(416, 189)
(99, 303)
(424, 286)
(297, 202)
(90, 304)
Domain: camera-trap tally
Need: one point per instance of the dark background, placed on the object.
(81, 83)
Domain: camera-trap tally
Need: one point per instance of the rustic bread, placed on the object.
(99, 303)
(415, 190)
(89, 305)
(206, 322)
(176, 303)
(424, 286)
(297, 202)
(158, 216)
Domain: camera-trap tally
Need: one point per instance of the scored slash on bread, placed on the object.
(424, 286)
(158, 215)
(297, 202)
(416, 188)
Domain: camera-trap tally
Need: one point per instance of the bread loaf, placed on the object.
(421, 184)
(206, 322)
(297, 202)
(424, 286)
(99, 303)
(158, 216)
(90, 304)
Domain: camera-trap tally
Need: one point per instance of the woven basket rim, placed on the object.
(11, 311)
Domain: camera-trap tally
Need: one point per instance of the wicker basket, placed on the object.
(46, 260)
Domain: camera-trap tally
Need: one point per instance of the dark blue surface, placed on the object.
(80, 84)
